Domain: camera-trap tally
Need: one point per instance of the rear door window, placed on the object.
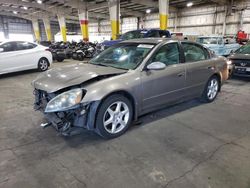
(25, 45)
(153, 33)
(164, 34)
(194, 52)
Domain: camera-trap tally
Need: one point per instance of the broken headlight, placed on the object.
(65, 101)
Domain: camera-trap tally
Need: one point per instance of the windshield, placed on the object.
(244, 49)
(208, 40)
(132, 35)
(123, 56)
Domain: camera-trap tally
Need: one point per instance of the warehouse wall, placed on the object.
(15, 25)
(201, 20)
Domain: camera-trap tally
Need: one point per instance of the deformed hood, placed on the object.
(66, 76)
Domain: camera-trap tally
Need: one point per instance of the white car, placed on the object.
(20, 55)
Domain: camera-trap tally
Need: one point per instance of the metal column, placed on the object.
(62, 23)
(114, 12)
(83, 18)
(163, 11)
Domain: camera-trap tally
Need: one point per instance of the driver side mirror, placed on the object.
(156, 66)
(1, 50)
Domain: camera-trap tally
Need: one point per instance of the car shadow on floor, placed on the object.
(86, 137)
(20, 73)
(166, 112)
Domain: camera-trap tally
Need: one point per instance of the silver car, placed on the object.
(126, 81)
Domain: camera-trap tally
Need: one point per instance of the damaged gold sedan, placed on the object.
(126, 81)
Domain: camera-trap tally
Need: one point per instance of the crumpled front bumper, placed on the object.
(68, 121)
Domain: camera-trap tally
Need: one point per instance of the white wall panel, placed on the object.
(128, 24)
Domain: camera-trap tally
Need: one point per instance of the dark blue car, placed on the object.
(140, 33)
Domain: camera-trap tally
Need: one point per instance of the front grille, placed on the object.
(242, 73)
(241, 62)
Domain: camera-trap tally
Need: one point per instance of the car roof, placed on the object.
(148, 29)
(150, 40)
(4, 41)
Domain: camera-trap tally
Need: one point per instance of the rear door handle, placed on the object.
(181, 74)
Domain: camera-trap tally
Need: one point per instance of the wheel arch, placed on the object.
(219, 76)
(125, 94)
(43, 58)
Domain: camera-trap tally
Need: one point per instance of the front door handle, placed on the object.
(210, 67)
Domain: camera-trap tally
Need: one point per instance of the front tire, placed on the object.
(211, 90)
(43, 64)
(114, 116)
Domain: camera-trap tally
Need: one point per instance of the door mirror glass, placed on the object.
(1, 50)
(156, 66)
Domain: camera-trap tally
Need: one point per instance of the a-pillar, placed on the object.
(114, 12)
(35, 25)
(62, 24)
(164, 12)
(46, 23)
(84, 21)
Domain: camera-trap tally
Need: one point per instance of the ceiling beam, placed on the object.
(4, 13)
(151, 3)
(95, 6)
(51, 10)
(132, 13)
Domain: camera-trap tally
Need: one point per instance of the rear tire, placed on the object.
(43, 64)
(60, 59)
(114, 116)
(211, 90)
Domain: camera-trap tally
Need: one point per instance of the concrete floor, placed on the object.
(188, 145)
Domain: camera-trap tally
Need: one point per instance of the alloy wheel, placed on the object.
(213, 88)
(116, 117)
(43, 65)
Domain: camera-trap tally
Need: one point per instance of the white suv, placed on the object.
(20, 55)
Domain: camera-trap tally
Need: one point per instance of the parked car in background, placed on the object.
(21, 55)
(218, 44)
(45, 43)
(126, 81)
(239, 61)
(140, 33)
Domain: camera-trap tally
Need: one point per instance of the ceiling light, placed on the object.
(14, 12)
(148, 11)
(39, 1)
(25, 8)
(189, 4)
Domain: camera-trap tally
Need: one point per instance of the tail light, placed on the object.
(47, 49)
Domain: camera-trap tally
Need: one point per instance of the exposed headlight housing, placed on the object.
(65, 101)
(229, 62)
